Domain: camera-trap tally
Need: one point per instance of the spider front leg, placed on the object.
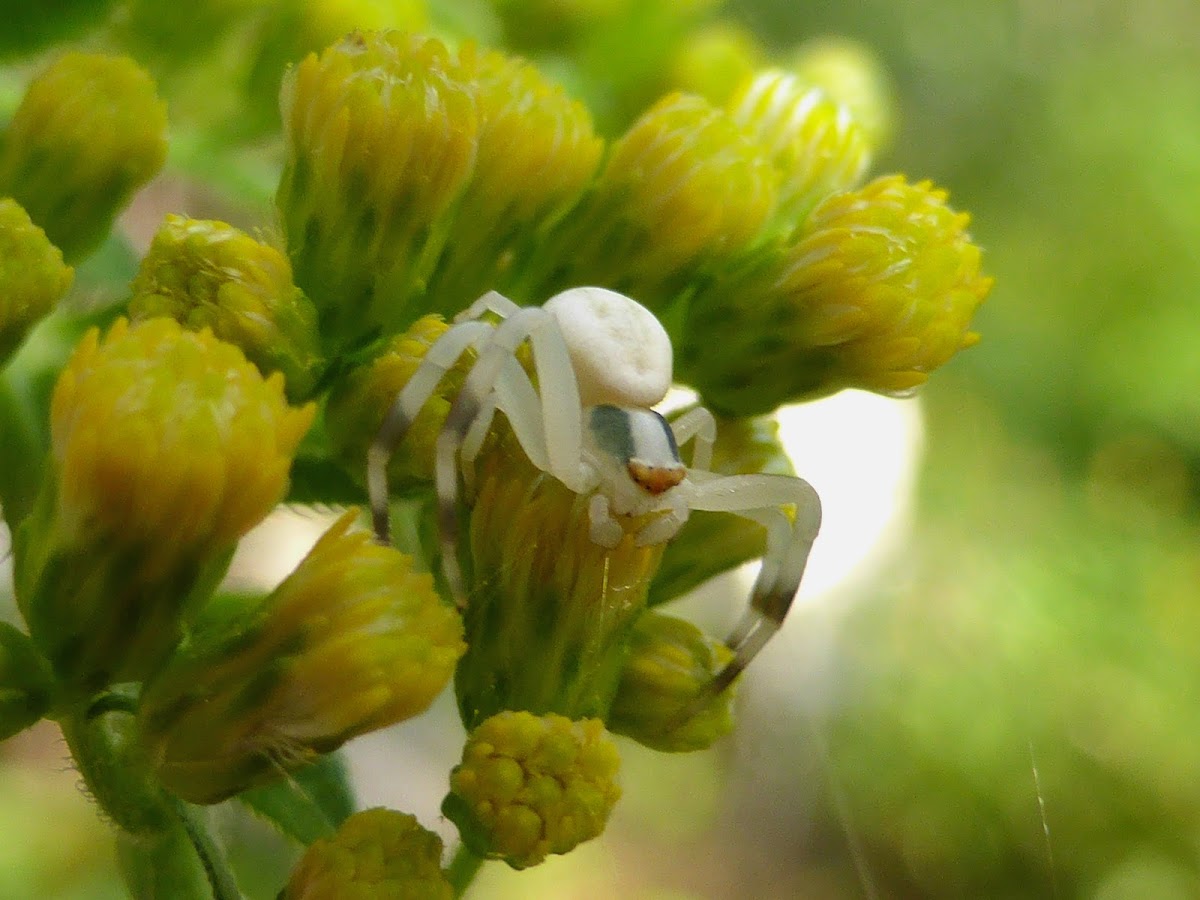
(760, 498)
(439, 359)
(547, 424)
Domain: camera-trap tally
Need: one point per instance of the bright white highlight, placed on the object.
(861, 453)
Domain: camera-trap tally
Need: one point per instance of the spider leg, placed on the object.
(760, 498)
(605, 530)
(547, 424)
(664, 527)
(699, 425)
(491, 302)
(439, 359)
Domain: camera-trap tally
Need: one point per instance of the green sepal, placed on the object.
(308, 805)
(26, 684)
(98, 616)
(470, 830)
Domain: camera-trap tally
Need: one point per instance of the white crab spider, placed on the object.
(602, 361)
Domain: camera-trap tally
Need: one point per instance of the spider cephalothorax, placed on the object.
(601, 362)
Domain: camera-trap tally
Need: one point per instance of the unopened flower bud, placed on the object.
(381, 137)
(537, 152)
(875, 292)
(566, 602)
(208, 274)
(292, 29)
(683, 187)
(352, 641)
(380, 854)
(89, 132)
(167, 446)
(33, 277)
(670, 663)
(814, 142)
(529, 786)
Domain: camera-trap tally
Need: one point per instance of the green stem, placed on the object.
(220, 878)
(463, 868)
(151, 823)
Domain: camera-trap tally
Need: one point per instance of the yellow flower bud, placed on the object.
(352, 641)
(89, 132)
(167, 446)
(377, 854)
(158, 431)
(208, 274)
(684, 186)
(814, 142)
(33, 277)
(670, 662)
(876, 292)
(381, 137)
(291, 29)
(529, 786)
(537, 152)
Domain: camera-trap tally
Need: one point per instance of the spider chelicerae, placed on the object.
(602, 362)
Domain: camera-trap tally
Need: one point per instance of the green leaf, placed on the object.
(319, 480)
(309, 805)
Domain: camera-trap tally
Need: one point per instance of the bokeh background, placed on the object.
(990, 687)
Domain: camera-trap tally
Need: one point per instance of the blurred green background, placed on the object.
(1008, 707)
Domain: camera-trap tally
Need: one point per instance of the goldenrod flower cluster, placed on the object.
(207, 274)
(529, 786)
(256, 368)
(166, 447)
(875, 290)
(377, 854)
